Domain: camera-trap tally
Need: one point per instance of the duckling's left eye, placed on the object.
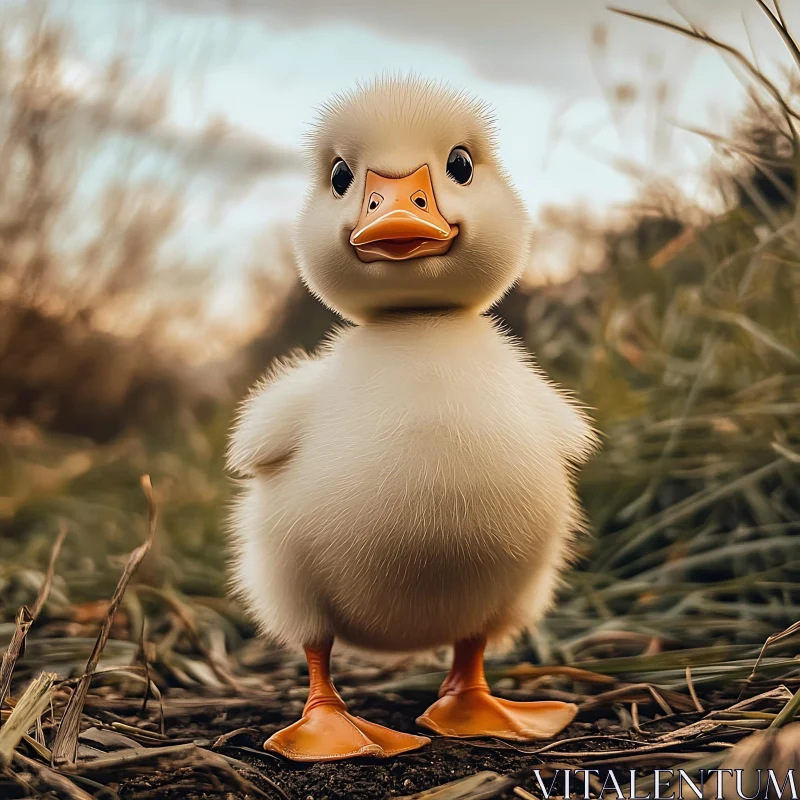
(341, 177)
(459, 165)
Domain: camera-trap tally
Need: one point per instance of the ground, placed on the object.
(212, 741)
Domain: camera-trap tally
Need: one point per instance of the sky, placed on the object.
(548, 69)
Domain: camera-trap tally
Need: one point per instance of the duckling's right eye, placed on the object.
(341, 178)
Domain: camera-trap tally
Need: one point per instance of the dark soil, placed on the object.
(366, 779)
(441, 762)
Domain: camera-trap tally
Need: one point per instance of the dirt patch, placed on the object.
(442, 761)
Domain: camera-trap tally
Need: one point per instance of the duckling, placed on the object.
(410, 485)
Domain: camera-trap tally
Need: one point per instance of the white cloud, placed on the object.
(509, 41)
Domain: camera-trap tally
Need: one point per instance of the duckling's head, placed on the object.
(409, 207)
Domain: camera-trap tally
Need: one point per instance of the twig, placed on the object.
(776, 637)
(221, 741)
(190, 753)
(53, 778)
(65, 747)
(44, 589)
(526, 671)
(635, 716)
(26, 617)
(638, 689)
(148, 682)
(789, 455)
(24, 620)
(692, 691)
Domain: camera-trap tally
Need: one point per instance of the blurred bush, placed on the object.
(88, 294)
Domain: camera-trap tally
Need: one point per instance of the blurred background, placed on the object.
(151, 168)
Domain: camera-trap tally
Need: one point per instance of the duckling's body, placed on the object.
(427, 497)
(410, 485)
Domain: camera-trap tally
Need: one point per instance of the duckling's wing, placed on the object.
(270, 420)
(568, 421)
(571, 426)
(580, 436)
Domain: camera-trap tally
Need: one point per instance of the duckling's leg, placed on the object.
(326, 732)
(466, 707)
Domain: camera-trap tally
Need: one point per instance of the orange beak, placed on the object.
(399, 219)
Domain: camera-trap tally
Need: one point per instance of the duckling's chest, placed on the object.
(445, 420)
(429, 410)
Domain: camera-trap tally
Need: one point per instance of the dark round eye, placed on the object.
(459, 165)
(341, 177)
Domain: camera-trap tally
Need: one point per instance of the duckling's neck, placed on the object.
(419, 314)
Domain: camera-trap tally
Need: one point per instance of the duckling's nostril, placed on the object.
(420, 199)
(374, 201)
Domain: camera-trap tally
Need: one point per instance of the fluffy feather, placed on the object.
(411, 484)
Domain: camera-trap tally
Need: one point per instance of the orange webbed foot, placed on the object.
(475, 712)
(330, 733)
(466, 707)
(326, 732)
